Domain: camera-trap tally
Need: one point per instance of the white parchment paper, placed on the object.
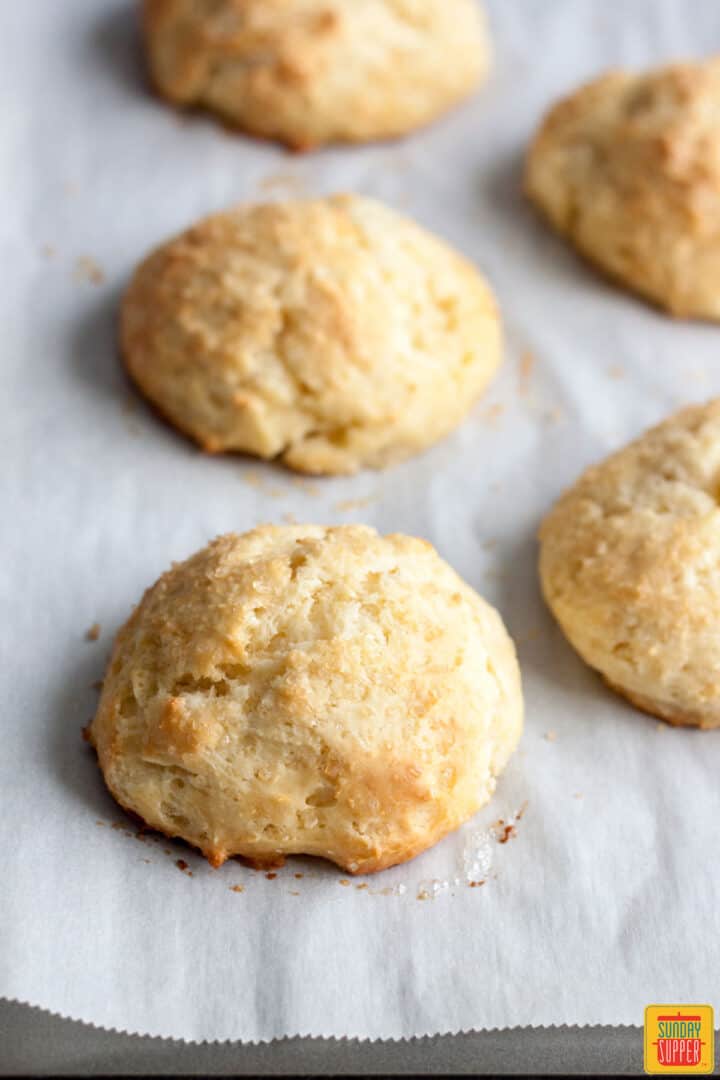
(605, 895)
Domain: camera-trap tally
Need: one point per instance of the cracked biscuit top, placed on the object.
(315, 71)
(301, 689)
(330, 333)
(628, 168)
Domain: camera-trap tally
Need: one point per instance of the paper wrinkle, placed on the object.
(600, 900)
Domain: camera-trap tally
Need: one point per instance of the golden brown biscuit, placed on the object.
(311, 690)
(628, 168)
(330, 333)
(629, 567)
(316, 71)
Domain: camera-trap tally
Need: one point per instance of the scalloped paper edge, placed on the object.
(348, 1037)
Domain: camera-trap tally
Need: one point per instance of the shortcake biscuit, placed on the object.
(301, 689)
(330, 333)
(628, 168)
(629, 566)
(316, 71)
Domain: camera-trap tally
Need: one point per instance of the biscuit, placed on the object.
(629, 567)
(308, 72)
(628, 168)
(301, 689)
(330, 333)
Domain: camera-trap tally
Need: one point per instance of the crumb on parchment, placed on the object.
(88, 271)
(288, 182)
(348, 505)
(525, 370)
(507, 830)
(93, 632)
(306, 486)
(492, 414)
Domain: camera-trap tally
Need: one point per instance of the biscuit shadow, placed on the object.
(114, 42)
(94, 352)
(543, 651)
(73, 759)
(529, 240)
(96, 361)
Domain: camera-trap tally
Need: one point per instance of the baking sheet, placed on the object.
(603, 895)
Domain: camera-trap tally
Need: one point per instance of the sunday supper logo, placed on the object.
(679, 1039)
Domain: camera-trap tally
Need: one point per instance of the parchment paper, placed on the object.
(604, 896)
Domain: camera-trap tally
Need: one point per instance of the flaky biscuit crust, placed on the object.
(629, 567)
(330, 333)
(316, 71)
(302, 689)
(628, 168)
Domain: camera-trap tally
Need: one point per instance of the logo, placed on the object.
(679, 1039)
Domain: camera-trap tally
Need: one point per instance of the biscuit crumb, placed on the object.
(525, 369)
(93, 632)
(476, 884)
(362, 885)
(298, 876)
(271, 876)
(88, 271)
(492, 414)
(578, 795)
(348, 505)
(290, 183)
(257, 481)
(306, 486)
(504, 831)
(294, 892)
(289, 518)
(343, 881)
(553, 416)
(182, 865)
(100, 823)
(237, 888)
(550, 736)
